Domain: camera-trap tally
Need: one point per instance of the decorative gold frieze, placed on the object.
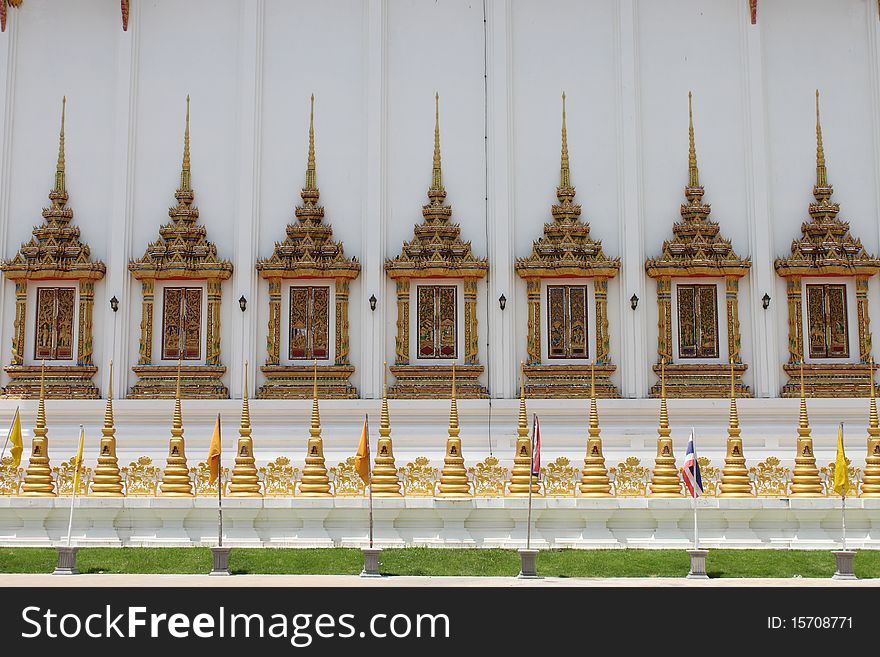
(10, 477)
(560, 478)
(279, 478)
(347, 480)
(182, 253)
(419, 478)
(489, 478)
(826, 248)
(384, 481)
(141, 477)
(630, 478)
(55, 253)
(567, 250)
(771, 479)
(201, 478)
(710, 475)
(309, 252)
(436, 251)
(854, 478)
(64, 476)
(697, 250)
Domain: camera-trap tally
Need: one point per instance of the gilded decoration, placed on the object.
(854, 475)
(10, 476)
(437, 252)
(826, 248)
(64, 475)
(309, 252)
(347, 481)
(735, 480)
(488, 478)
(871, 477)
(201, 478)
(419, 478)
(38, 480)
(771, 478)
(53, 258)
(560, 478)
(630, 478)
(566, 250)
(141, 477)
(805, 480)
(697, 250)
(279, 478)
(453, 475)
(182, 254)
(3, 8)
(711, 476)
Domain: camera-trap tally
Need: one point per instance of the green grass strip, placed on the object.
(444, 562)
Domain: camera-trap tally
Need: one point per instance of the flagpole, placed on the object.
(370, 472)
(76, 468)
(843, 497)
(9, 434)
(694, 499)
(220, 490)
(531, 474)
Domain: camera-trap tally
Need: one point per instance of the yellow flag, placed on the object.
(15, 439)
(77, 467)
(362, 459)
(841, 476)
(214, 452)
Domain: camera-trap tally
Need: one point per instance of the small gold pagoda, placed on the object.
(38, 480)
(665, 478)
(384, 480)
(437, 252)
(314, 481)
(176, 481)
(50, 261)
(308, 253)
(697, 252)
(594, 475)
(871, 476)
(805, 481)
(521, 477)
(826, 249)
(735, 480)
(107, 481)
(566, 251)
(245, 482)
(181, 261)
(453, 476)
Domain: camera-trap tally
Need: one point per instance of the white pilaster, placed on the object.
(765, 364)
(373, 219)
(117, 281)
(8, 42)
(500, 333)
(244, 335)
(636, 355)
(873, 26)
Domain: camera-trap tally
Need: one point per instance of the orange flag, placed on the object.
(362, 459)
(214, 452)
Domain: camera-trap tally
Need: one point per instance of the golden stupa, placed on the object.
(315, 482)
(805, 480)
(594, 476)
(38, 476)
(244, 482)
(107, 481)
(384, 480)
(871, 476)
(521, 475)
(665, 478)
(175, 480)
(453, 476)
(735, 480)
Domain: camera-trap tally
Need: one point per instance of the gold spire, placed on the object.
(315, 428)
(453, 409)
(176, 481)
(38, 480)
(314, 481)
(803, 420)
(665, 478)
(384, 420)
(521, 475)
(41, 406)
(821, 172)
(437, 174)
(872, 414)
(594, 411)
(244, 482)
(185, 183)
(108, 410)
(733, 424)
(311, 183)
(664, 413)
(384, 479)
(523, 418)
(734, 475)
(805, 480)
(107, 482)
(594, 475)
(564, 170)
(245, 406)
(177, 420)
(693, 171)
(59, 169)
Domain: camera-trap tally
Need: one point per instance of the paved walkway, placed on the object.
(351, 580)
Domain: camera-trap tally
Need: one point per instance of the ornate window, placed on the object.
(437, 321)
(54, 334)
(182, 323)
(826, 318)
(567, 332)
(697, 321)
(309, 323)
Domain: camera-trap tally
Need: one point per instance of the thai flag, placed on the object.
(690, 471)
(536, 448)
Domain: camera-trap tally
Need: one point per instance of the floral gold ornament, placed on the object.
(347, 481)
(141, 477)
(854, 477)
(453, 476)
(805, 480)
(308, 252)
(560, 478)
(38, 475)
(710, 476)
(489, 478)
(630, 478)
(437, 252)
(10, 476)
(315, 482)
(419, 478)
(826, 248)
(279, 478)
(735, 480)
(65, 475)
(697, 250)
(176, 481)
(594, 475)
(566, 250)
(245, 480)
(665, 479)
(52, 259)
(771, 478)
(107, 481)
(184, 255)
(201, 478)
(384, 481)
(871, 478)
(521, 477)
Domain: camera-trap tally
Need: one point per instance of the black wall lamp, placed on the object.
(373, 302)
(634, 302)
(114, 303)
(502, 302)
(766, 301)
(242, 303)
